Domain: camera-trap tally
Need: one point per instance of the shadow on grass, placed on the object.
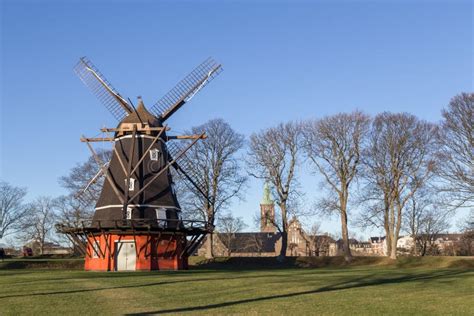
(95, 275)
(187, 281)
(350, 284)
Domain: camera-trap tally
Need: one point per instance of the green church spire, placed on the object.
(266, 200)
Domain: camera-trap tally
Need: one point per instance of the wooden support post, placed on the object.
(167, 246)
(125, 128)
(102, 254)
(128, 174)
(122, 165)
(120, 160)
(164, 169)
(143, 247)
(148, 149)
(178, 167)
(186, 137)
(115, 248)
(196, 243)
(87, 240)
(187, 245)
(105, 171)
(96, 139)
(106, 241)
(76, 241)
(135, 241)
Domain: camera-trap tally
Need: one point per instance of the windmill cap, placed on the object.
(141, 115)
(140, 101)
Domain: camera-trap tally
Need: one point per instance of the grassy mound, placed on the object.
(330, 262)
(43, 263)
(254, 263)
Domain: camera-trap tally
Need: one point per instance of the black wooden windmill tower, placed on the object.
(137, 223)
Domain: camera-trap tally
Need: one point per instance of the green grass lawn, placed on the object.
(357, 290)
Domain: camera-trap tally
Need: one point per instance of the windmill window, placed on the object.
(154, 154)
(161, 216)
(95, 249)
(131, 185)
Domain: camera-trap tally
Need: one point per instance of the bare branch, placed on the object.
(456, 151)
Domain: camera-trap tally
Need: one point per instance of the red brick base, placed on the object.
(153, 252)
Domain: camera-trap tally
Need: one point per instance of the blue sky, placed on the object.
(281, 62)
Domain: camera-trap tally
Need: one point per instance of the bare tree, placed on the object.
(424, 218)
(216, 165)
(334, 144)
(38, 223)
(466, 245)
(72, 213)
(319, 243)
(228, 226)
(397, 162)
(274, 155)
(12, 208)
(456, 173)
(416, 210)
(432, 224)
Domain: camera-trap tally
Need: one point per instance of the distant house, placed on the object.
(49, 248)
(447, 243)
(258, 244)
(405, 244)
(442, 244)
(358, 248)
(379, 245)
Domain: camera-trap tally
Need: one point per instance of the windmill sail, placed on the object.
(186, 89)
(88, 195)
(187, 168)
(102, 89)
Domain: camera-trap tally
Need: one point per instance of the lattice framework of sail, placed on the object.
(106, 97)
(187, 87)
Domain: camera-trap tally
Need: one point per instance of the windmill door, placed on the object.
(125, 256)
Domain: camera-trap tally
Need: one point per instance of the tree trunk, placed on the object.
(393, 250)
(209, 246)
(423, 248)
(415, 248)
(210, 240)
(388, 239)
(284, 234)
(396, 232)
(345, 237)
(284, 246)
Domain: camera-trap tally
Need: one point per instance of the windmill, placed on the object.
(137, 223)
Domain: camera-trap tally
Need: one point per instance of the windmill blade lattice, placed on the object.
(86, 196)
(187, 166)
(101, 87)
(186, 88)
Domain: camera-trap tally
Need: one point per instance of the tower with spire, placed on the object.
(267, 211)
